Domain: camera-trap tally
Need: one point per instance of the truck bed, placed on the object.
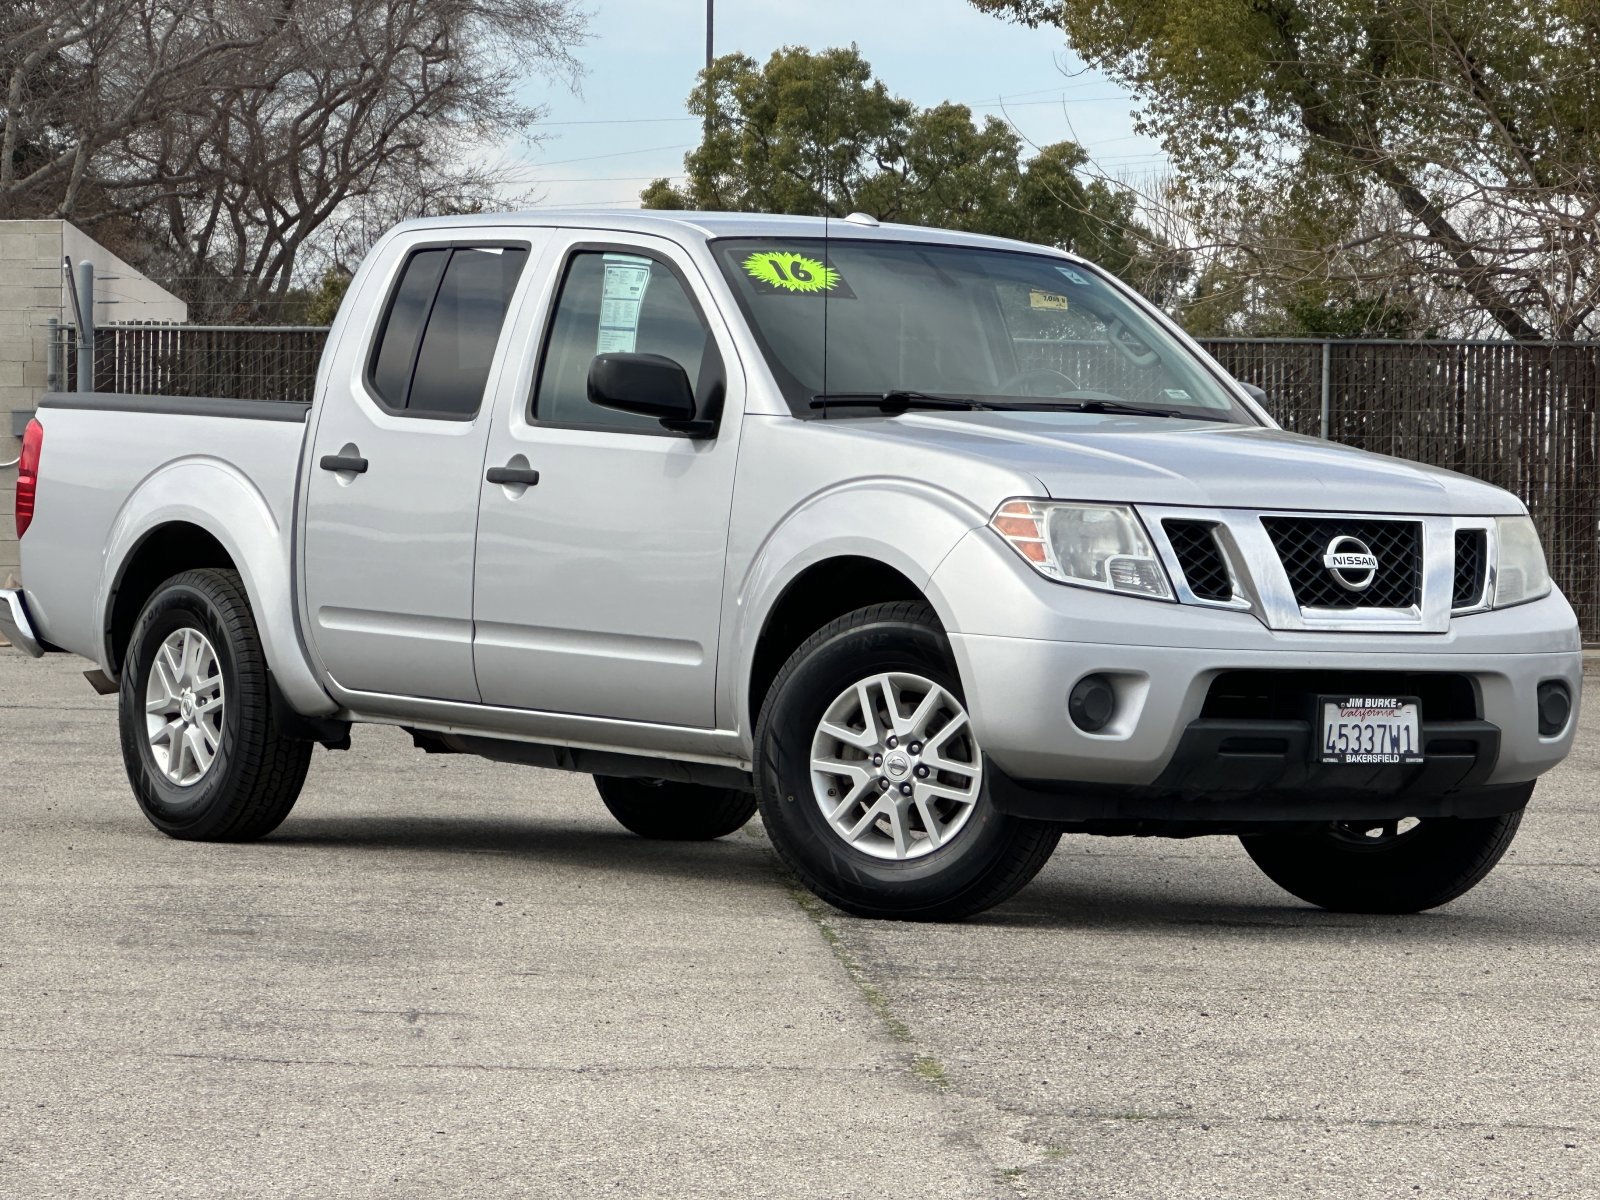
(117, 467)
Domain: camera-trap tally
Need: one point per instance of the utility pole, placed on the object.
(711, 91)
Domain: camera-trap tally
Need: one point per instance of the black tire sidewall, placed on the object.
(197, 809)
(795, 820)
(674, 810)
(1440, 860)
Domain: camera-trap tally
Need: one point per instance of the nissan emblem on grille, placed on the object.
(1351, 562)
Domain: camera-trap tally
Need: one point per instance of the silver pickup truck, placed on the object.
(932, 546)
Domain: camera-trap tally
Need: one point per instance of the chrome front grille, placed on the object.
(1285, 567)
(1200, 557)
(1472, 568)
(1302, 543)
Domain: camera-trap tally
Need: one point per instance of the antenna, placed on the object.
(827, 220)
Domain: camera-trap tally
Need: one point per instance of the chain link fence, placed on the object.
(240, 362)
(1522, 416)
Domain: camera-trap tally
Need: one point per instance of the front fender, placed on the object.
(218, 498)
(901, 523)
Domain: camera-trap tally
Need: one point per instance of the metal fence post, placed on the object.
(1327, 391)
(53, 381)
(85, 314)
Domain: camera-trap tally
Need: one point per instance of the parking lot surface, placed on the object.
(447, 977)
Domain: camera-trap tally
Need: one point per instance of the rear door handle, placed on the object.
(514, 476)
(344, 462)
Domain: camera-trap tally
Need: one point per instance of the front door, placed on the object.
(599, 587)
(391, 502)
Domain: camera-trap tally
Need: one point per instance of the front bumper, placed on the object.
(15, 625)
(1162, 660)
(1245, 774)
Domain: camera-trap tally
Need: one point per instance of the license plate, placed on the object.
(1364, 730)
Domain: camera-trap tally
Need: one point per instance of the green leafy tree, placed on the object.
(1478, 119)
(816, 133)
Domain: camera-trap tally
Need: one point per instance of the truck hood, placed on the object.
(1202, 464)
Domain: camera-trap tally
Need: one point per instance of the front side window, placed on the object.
(619, 303)
(852, 318)
(438, 337)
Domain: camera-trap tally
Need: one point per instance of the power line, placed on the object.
(619, 121)
(1059, 100)
(619, 154)
(613, 178)
(987, 102)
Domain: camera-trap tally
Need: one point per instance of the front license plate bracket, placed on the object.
(1368, 730)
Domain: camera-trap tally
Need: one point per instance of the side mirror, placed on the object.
(649, 385)
(1259, 395)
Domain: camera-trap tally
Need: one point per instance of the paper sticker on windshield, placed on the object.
(786, 271)
(1039, 299)
(1072, 275)
(1177, 394)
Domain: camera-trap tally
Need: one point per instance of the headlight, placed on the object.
(1092, 545)
(1520, 570)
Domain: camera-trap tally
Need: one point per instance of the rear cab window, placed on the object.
(436, 341)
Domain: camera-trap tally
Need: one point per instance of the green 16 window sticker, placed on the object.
(790, 271)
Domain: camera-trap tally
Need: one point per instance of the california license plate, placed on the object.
(1370, 729)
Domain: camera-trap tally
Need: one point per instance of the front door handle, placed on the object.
(353, 463)
(513, 476)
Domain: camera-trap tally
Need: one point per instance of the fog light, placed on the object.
(1092, 703)
(1555, 707)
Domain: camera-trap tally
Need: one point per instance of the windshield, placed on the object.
(1012, 330)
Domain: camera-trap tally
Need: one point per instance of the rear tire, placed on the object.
(1374, 867)
(887, 815)
(669, 811)
(200, 738)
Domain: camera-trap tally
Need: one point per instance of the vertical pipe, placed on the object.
(711, 91)
(52, 356)
(85, 317)
(1327, 395)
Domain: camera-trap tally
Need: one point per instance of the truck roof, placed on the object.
(709, 225)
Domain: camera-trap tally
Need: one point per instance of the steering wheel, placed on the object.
(1023, 382)
(1115, 328)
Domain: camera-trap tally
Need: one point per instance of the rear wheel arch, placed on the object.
(821, 593)
(162, 552)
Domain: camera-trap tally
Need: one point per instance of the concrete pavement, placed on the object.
(447, 977)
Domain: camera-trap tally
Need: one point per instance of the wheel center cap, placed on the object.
(897, 766)
(186, 705)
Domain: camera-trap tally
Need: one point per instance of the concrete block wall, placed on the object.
(32, 291)
(30, 294)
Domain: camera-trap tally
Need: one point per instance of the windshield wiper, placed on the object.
(1098, 405)
(898, 401)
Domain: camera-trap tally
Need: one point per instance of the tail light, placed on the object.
(28, 474)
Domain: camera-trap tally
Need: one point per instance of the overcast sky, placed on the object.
(628, 124)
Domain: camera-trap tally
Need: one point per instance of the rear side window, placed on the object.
(438, 336)
(622, 303)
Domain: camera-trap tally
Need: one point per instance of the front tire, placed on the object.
(200, 739)
(871, 781)
(668, 811)
(1385, 866)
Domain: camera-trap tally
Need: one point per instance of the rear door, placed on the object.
(599, 588)
(392, 499)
